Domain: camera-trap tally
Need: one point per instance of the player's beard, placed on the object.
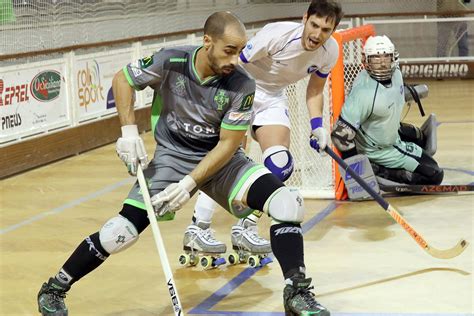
(216, 68)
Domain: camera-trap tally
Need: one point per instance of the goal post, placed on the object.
(315, 176)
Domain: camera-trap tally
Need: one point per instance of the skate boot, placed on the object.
(299, 300)
(51, 298)
(199, 245)
(248, 246)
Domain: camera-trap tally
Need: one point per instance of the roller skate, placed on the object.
(51, 298)
(248, 246)
(298, 298)
(201, 247)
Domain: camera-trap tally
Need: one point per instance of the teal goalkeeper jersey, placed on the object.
(374, 111)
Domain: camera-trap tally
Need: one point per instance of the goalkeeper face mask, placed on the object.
(380, 58)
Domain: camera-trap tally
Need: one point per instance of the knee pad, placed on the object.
(285, 205)
(117, 234)
(279, 161)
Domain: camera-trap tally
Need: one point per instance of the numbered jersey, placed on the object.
(275, 57)
(188, 112)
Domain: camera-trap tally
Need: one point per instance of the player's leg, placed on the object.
(242, 186)
(407, 163)
(117, 234)
(286, 208)
(271, 129)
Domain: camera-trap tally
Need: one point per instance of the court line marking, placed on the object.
(68, 205)
(204, 307)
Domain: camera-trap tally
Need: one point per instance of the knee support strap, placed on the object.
(285, 205)
(279, 161)
(117, 234)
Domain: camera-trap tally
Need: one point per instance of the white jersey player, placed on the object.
(280, 54)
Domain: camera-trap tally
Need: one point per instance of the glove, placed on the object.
(319, 136)
(174, 196)
(131, 150)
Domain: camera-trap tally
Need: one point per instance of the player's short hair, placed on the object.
(217, 23)
(326, 8)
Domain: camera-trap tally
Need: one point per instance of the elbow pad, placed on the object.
(343, 136)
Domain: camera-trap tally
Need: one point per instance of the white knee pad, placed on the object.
(285, 205)
(279, 161)
(117, 234)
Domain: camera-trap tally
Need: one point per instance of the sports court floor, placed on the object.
(361, 261)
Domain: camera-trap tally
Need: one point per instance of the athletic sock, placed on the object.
(88, 255)
(287, 246)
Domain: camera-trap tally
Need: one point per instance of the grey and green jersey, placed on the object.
(374, 111)
(189, 112)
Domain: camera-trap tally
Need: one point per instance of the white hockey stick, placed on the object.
(178, 309)
(392, 211)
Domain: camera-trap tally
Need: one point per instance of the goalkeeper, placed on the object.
(370, 121)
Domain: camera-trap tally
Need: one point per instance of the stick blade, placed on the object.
(448, 253)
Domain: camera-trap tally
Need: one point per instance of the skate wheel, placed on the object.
(206, 262)
(233, 258)
(253, 261)
(184, 259)
(265, 260)
(193, 260)
(218, 261)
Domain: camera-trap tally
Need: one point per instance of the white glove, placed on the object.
(319, 136)
(174, 196)
(131, 150)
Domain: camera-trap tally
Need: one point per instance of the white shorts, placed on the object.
(270, 109)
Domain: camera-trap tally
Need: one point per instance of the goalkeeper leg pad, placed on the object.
(429, 130)
(361, 165)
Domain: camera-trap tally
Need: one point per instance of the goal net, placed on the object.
(314, 175)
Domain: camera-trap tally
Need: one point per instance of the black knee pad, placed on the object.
(136, 216)
(261, 190)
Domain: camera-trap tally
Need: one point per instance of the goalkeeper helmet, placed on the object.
(379, 57)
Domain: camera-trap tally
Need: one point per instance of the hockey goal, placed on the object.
(316, 176)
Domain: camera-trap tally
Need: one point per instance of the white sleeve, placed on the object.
(258, 46)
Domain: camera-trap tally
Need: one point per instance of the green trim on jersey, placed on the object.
(167, 217)
(234, 127)
(129, 79)
(156, 108)
(178, 60)
(195, 71)
(239, 185)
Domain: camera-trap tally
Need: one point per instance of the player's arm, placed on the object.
(314, 102)
(124, 98)
(219, 156)
(135, 76)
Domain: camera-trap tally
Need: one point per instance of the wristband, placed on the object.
(316, 122)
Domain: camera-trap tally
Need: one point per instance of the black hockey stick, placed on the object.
(437, 253)
(427, 189)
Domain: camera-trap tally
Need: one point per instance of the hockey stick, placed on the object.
(437, 253)
(427, 189)
(173, 291)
